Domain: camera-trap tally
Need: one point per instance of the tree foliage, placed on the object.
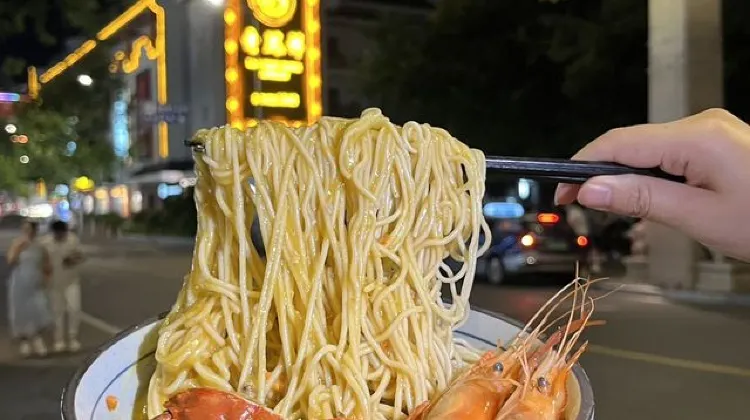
(66, 111)
(532, 78)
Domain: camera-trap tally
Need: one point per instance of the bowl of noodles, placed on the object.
(113, 383)
(346, 308)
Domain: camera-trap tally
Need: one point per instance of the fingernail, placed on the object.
(561, 190)
(595, 195)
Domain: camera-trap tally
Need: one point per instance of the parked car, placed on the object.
(534, 243)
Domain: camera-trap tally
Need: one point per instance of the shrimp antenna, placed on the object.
(548, 307)
(553, 303)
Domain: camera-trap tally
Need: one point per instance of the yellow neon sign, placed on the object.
(275, 99)
(273, 55)
(155, 50)
(313, 86)
(133, 62)
(251, 41)
(68, 61)
(273, 43)
(33, 86)
(273, 13)
(273, 69)
(232, 30)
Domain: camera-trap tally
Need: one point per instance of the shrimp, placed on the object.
(477, 393)
(483, 389)
(542, 394)
(211, 404)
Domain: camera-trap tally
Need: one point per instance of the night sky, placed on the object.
(27, 46)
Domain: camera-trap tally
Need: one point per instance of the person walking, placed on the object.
(64, 289)
(28, 310)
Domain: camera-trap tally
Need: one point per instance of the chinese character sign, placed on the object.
(272, 61)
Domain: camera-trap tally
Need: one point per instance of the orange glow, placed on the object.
(550, 218)
(527, 240)
(313, 94)
(582, 241)
(33, 86)
(229, 17)
(232, 33)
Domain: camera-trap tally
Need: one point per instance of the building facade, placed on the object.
(192, 64)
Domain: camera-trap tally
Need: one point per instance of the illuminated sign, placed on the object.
(9, 97)
(272, 61)
(154, 49)
(120, 129)
(503, 210)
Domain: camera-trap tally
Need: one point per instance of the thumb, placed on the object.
(671, 203)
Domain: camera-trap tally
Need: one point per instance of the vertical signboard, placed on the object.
(272, 61)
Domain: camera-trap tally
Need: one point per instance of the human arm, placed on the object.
(711, 150)
(15, 250)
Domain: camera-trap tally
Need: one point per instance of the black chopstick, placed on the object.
(544, 169)
(568, 171)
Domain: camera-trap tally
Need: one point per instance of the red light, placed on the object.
(550, 218)
(582, 241)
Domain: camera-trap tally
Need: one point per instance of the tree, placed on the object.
(89, 107)
(33, 30)
(528, 78)
(32, 34)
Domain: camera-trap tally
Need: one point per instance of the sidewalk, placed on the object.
(687, 296)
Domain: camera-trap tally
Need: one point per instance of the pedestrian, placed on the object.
(64, 288)
(28, 309)
(711, 150)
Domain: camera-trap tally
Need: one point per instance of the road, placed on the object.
(655, 359)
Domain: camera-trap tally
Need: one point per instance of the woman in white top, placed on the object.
(28, 310)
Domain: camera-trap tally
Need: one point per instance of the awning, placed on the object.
(169, 172)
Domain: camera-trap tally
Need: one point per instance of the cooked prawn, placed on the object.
(542, 394)
(483, 389)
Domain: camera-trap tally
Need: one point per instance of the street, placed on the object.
(655, 359)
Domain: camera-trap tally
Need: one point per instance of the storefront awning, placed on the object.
(169, 172)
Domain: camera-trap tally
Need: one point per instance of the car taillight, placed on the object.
(582, 241)
(527, 240)
(548, 218)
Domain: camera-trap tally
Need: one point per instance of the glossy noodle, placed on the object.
(344, 315)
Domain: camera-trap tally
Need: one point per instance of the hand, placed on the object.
(711, 150)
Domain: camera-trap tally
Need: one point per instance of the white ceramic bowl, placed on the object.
(122, 367)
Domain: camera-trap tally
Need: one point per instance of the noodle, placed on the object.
(343, 316)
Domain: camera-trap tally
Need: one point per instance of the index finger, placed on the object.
(683, 147)
(680, 147)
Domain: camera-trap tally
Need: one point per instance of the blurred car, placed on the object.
(534, 243)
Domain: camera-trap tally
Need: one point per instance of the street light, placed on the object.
(85, 80)
(10, 128)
